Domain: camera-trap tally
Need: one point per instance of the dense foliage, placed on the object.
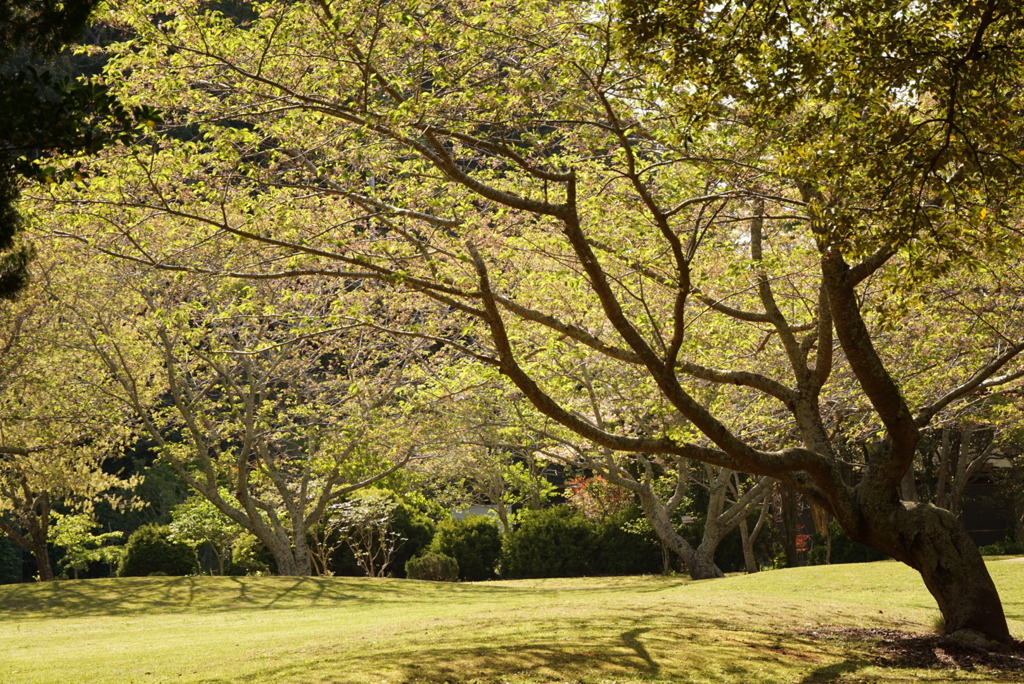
(44, 111)
(552, 542)
(432, 566)
(152, 550)
(474, 542)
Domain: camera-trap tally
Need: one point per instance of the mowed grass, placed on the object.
(616, 629)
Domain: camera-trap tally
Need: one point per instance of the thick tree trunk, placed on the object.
(290, 563)
(934, 542)
(703, 564)
(954, 573)
(41, 552)
(302, 556)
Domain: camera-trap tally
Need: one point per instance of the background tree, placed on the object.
(365, 524)
(198, 522)
(75, 534)
(60, 421)
(44, 112)
(272, 396)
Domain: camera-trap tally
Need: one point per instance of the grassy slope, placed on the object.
(740, 629)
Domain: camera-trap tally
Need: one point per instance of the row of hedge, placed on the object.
(553, 542)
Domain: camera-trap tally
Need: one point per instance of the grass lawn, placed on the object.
(758, 628)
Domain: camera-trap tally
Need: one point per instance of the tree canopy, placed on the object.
(756, 236)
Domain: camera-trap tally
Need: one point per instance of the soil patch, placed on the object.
(894, 648)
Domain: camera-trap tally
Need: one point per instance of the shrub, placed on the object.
(622, 549)
(415, 528)
(149, 551)
(474, 542)
(10, 562)
(1003, 548)
(553, 542)
(250, 557)
(433, 566)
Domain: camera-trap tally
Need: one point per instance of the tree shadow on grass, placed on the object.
(894, 649)
(81, 598)
(539, 659)
(632, 640)
(557, 649)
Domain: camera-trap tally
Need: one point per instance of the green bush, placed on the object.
(623, 550)
(249, 557)
(415, 528)
(553, 542)
(433, 566)
(10, 562)
(474, 542)
(150, 551)
(1003, 548)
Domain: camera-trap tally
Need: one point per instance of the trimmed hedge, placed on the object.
(552, 542)
(150, 551)
(433, 566)
(1006, 547)
(474, 542)
(623, 552)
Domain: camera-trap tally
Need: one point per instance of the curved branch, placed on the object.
(981, 379)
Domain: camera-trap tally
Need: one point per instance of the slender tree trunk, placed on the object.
(748, 538)
(908, 486)
(502, 510)
(38, 526)
(788, 511)
(749, 562)
(698, 564)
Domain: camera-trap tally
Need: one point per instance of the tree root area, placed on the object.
(898, 649)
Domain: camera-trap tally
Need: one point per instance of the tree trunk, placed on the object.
(908, 486)
(700, 562)
(42, 555)
(302, 556)
(934, 542)
(749, 561)
(703, 565)
(788, 513)
(281, 549)
(954, 572)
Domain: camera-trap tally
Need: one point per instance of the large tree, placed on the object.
(736, 215)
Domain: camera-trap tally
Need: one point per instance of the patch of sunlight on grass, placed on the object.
(590, 630)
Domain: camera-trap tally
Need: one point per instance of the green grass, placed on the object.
(637, 629)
